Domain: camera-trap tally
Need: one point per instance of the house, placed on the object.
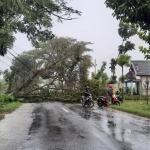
(139, 73)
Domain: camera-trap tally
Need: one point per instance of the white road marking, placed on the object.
(65, 110)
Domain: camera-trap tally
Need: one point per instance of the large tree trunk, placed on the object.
(38, 72)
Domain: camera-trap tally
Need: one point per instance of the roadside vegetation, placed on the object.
(137, 107)
(8, 104)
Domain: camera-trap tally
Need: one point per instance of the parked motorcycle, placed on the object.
(89, 102)
(118, 95)
(102, 101)
(115, 100)
(119, 98)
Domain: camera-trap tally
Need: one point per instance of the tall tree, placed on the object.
(126, 31)
(34, 18)
(122, 61)
(112, 67)
(131, 11)
(134, 12)
(101, 76)
(101, 79)
(60, 59)
(84, 65)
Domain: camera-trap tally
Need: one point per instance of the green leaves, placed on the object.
(132, 12)
(145, 51)
(34, 18)
(126, 30)
(128, 46)
(6, 41)
(60, 60)
(101, 76)
(113, 64)
(123, 60)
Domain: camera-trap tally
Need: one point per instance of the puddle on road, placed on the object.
(36, 120)
(129, 129)
(86, 113)
(111, 124)
(55, 130)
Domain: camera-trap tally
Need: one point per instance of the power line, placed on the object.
(8, 58)
(19, 60)
(15, 52)
(18, 48)
(4, 63)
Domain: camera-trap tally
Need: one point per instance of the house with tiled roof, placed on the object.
(139, 73)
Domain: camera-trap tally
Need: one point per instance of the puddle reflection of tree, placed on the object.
(78, 147)
(115, 129)
(86, 113)
(112, 127)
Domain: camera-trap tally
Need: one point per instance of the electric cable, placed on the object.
(19, 61)
(4, 63)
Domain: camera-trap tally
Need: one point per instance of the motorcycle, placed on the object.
(118, 95)
(119, 98)
(102, 101)
(115, 100)
(89, 102)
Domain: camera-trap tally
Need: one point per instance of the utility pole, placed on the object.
(147, 88)
(95, 65)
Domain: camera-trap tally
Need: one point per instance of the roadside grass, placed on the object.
(1, 117)
(137, 107)
(8, 108)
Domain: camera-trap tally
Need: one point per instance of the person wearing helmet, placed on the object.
(110, 92)
(86, 93)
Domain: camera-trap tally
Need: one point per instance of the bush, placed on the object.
(135, 97)
(7, 98)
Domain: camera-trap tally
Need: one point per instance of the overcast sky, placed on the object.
(95, 25)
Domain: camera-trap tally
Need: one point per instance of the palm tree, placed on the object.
(113, 64)
(122, 61)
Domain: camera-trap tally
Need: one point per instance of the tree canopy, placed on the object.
(131, 11)
(33, 18)
(134, 12)
(62, 62)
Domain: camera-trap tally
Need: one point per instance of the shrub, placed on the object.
(7, 98)
(135, 97)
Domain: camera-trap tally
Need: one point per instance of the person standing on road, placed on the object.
(109, 93)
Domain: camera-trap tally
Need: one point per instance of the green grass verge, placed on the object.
(8, 108)
(139, 108)
(1, 117)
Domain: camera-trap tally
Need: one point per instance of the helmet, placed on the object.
(110, 85)
(87, 87)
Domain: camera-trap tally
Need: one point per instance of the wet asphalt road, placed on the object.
(58, 126)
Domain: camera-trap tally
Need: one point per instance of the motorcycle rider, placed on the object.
(86, 93)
